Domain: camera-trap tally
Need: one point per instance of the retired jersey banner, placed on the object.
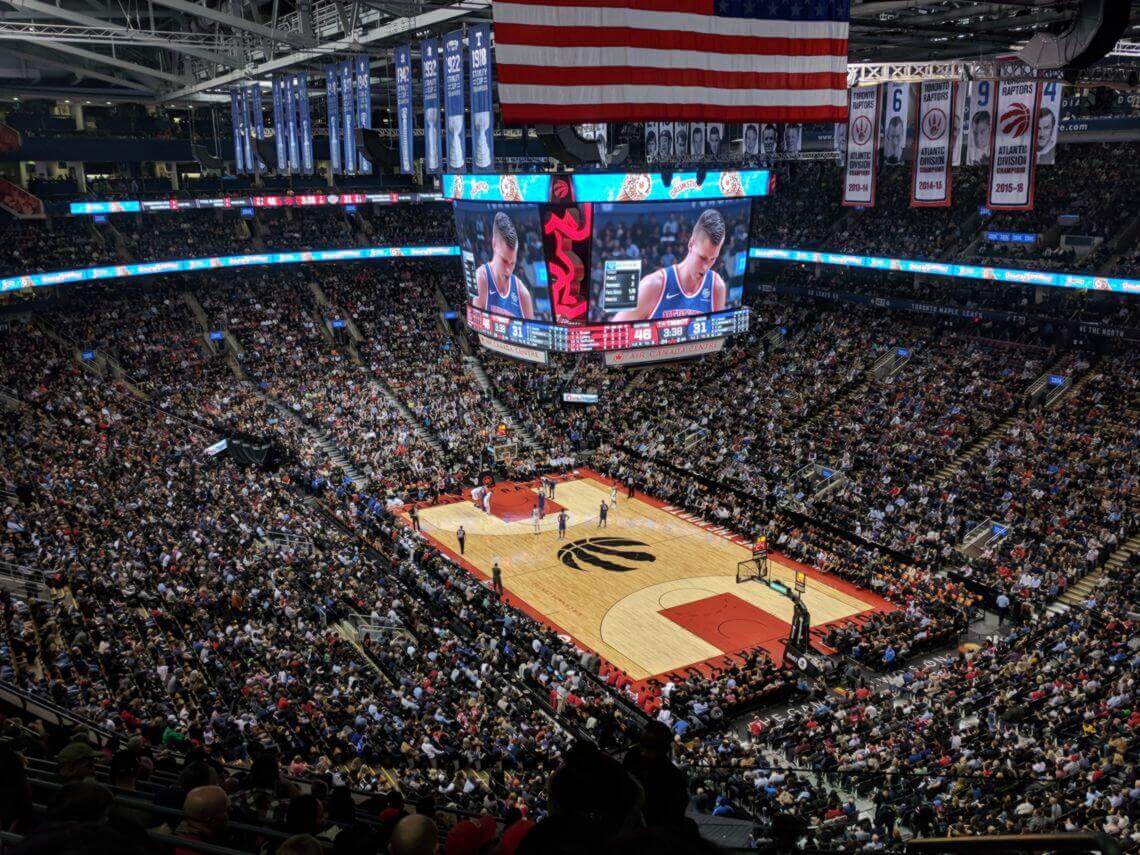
(482, 115)
(403, 58)
(981, 122)
(291, 123)
(1013, 147)
(363, 74)
(429, 61)
(280, 135)
(453, 100)
(1049, 121)
(961, 120)
(332, 116)
(930, 185)
(862, 147)
(895, 113)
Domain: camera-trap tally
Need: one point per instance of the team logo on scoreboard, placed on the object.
(934, 124)
(1015, 120)
(605, 553)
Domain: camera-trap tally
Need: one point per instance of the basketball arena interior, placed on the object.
(583, 426)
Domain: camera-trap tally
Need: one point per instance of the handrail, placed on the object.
(1068, 842)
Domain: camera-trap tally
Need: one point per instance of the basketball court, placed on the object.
(654, 591)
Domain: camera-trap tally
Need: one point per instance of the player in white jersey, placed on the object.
(500, 291)
(691, 287)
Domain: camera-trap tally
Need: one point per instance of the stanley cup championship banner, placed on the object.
(1049, 121)
(364, 103)
(862, 147)
(1013, 145)
(453, 96)
(347, 116)
(895, 113)
(290, 107)
(280, 135)
(403, 60)
(429, 61)
(332, 116)
(305, 124)
(258, 127)
(236, 124)
(930, 186)
(482, 118)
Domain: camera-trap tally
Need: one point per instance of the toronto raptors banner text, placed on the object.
(930, 186)
(1013, 150)
(862, 147)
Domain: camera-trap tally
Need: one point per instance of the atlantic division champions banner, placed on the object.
(862, 147)
(403, 58)
(1013, 147)
(482, 118)
(930, 185)
(429, 60)
(453, 96)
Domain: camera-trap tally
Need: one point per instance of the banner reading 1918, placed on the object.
(862, 147)
(403, 58)
(482, 117)
(429, 59)
(1013, 151)
(930, 186)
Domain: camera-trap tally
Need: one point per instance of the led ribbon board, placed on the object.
(652, 186)
(189, 265)
(1078, 281)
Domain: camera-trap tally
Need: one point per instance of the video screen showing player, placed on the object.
(668, 260)
(503, 265)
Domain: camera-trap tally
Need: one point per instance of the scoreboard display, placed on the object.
(618, 262)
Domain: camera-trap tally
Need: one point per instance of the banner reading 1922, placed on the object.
(930, 186)
(1013, 145)
(403, 59)
(862, 147)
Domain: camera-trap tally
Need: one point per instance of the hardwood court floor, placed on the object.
(652, 592)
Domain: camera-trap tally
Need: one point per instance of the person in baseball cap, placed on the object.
(471, 837)
(76, 762)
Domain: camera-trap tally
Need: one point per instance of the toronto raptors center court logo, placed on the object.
(606, 553)
(934, 124)
(1015, 120)
(861, 130)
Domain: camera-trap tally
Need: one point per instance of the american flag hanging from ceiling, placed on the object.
(574, 61)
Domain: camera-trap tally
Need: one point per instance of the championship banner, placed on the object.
(347, 116)
(280, 135)
(364, 102)
(332, 117)
(235, 123)
(291, 123)
(650, 142)
(429, 60)
(453, 98)
(258, 127)
(305, 123)
(896, 112)
(862, 147)
(961, 120)
(482, 118)
(402, 56)
(981, 122)
(1013, 146)
(1049, 121)
(930, 185)
(246, 129)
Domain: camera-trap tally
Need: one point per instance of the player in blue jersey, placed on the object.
(500, 291)
(689, 288)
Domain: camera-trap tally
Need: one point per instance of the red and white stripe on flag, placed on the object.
(1013, 145)
(930, 184)
(573, 61)
(862, 148)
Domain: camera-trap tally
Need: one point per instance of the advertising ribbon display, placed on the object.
(429, 59)
(1013, 146)
(930, 185)
(364, 104)
(482, 130)
(862, 147)
(332, 116)
(453, 95)
(403, 59)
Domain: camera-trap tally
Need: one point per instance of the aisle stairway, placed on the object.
(427, 435)
(323, 440)
(473, 367)
(1081, 589)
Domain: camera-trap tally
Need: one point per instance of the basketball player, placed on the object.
(487, 501)
(541, 504)
(602, 512)
(500, 291)
(536, 517)
(613, 496)
(563, 518)
(689, 288)
(497, 578)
